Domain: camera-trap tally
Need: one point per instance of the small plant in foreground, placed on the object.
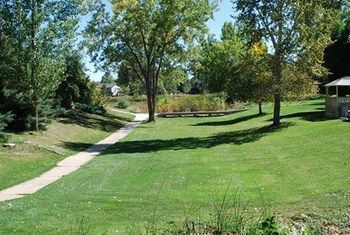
(81, 226)
(231, 215)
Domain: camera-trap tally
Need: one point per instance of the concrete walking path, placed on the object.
(69, 164)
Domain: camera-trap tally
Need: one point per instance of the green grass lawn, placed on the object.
(181, 164)
(37, 152)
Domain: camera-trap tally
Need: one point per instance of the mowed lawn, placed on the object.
(37, 152)
(175, 168)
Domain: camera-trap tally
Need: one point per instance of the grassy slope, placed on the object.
(38, 152)
(303, 167)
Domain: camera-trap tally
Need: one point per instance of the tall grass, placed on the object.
(189, 103)
(231, 214)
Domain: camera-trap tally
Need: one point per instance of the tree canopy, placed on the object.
(34, 35)
(296, 32)
(144, 33)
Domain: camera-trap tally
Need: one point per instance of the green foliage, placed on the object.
(98, 97)
(122, 103)
(297, 33)
(269, 226)
(188, 103)
(130, 83)
(4, 120)
(228, 31)
(185, 86)
(219, 64)
(337, 54)
(35, 35)
(75, 87)
(91, 108)
(172, 79)
(46, 112)
(107, 78)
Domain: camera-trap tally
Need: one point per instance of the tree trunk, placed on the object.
(277, 95)
(277, 109)
(151, 107)
(33, 63)
(36, 119)
(151, 100)
(260, 108)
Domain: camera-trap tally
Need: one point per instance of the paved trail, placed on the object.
(69, 164)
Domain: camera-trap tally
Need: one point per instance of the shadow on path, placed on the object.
(231, 122)
(144, 146)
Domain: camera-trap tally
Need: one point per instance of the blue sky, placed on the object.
(223, 14)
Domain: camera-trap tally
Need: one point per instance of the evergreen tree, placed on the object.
(75, 87)
(107, 78)
(35, 34)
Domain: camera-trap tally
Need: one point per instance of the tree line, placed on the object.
(274, 51)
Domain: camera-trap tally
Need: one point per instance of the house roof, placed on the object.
(110, 86)
(344, 81)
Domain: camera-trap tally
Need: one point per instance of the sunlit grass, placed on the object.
(302, 167)
(37, 152)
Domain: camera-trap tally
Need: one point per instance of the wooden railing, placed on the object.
(198, 114)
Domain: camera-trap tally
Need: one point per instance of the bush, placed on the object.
(140, 98)
(122, 104)
(98, 97)
(4, 120)
(91, 109)
(189, 103)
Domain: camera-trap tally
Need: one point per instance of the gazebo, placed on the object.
(338, 97)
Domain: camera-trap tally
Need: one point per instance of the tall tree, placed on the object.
(75, 87)
(219, 62)
(39, 32)
(172, 78)
(228, 31)
(107, 78)
(337, 55)
(143, 33)
(256, 84)
(129, 82)
(297, 32)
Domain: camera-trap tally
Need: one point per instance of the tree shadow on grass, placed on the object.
(143, 146)
(103, 123)
(76, 146)
(231, 122)
(319, 103)
(311, 116)
(115, 117)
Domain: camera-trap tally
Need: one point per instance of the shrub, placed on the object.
(91, 108)
(4, 120)
(98, 97)
(140, 98)
(122, 103)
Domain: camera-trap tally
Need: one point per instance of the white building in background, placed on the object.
(112, 89)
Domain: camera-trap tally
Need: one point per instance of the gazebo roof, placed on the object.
(344, 81)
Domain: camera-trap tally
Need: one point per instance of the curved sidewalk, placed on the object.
(69, 164)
